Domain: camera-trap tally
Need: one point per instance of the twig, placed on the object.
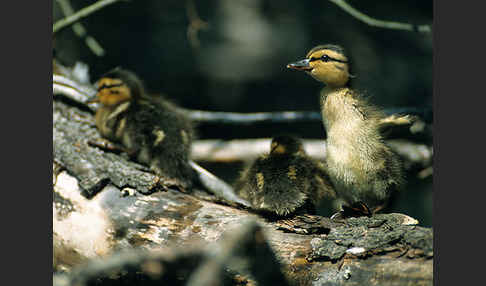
(425, 173)
(252, 118)
(195, 24)
(287, 116)
(63, 23)
(380, 23)
(71, 88)
(74, 91)
(80, 30)
(215, 185)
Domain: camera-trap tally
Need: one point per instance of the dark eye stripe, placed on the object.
(340, 61)
(326, 58)
(110, 86)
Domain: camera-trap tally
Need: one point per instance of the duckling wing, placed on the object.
(367, 110)
(385, 179)
(158, 126)
(164, 138)
(392, 172)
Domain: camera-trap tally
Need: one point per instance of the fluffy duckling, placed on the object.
(286, 180)
(153, 131)
(362, 167)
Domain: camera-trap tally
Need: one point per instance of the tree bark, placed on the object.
(104, 203)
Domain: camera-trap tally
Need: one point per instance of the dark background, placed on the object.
(239, 64)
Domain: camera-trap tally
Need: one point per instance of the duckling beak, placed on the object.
(93, 99)
(302, 65)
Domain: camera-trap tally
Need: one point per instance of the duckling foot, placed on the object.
(106, 145)
(109, 146)
(356, 209)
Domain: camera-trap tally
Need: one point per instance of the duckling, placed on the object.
(286, 180)
(362, 167)
(152, 130)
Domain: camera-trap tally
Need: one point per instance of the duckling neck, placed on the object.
(341, 117)
(332, 101)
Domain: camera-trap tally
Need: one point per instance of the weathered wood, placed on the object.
(164, 220)
(127, 207)
(245, 251)
(93, 167)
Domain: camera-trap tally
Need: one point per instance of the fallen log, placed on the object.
(104, 203)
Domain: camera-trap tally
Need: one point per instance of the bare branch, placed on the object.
(425, 173)
(62, 84)
(249, 149)
(252, 118)
(63, 23)
(195, 24)
(80, 30)
(380, 23)
(72, 89)
(217, 186)
(287, 116)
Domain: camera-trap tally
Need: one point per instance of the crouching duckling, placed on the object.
(286, 180)
(362, 167)
(153, 131)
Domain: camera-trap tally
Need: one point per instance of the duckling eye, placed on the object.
(325, 58)
(103, 86)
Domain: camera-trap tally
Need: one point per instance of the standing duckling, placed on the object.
(362, 167)
(153, 131)
(286, 180)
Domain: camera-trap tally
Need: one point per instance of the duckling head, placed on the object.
(286, 145)
(327, 64)
(118, 86)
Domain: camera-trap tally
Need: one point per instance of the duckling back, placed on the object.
(153, 131)
(285, 184)
(162, 137)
